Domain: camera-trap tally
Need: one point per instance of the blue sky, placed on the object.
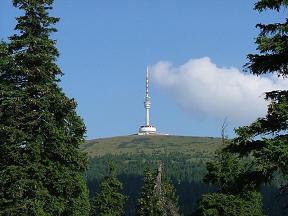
(105, 46)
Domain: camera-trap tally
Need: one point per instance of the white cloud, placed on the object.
(205, 89)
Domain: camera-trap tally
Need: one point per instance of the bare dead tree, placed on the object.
(168, 206)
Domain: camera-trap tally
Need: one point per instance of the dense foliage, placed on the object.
(157, 197)
(236, 191)
(260, 151)
(109, 201)
(180, 166)
(220, 204)
(185, 174)
(148, 202)
(41, 164)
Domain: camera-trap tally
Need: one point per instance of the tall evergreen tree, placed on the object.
(41, 164)
(157, 197)
(148, 201)
(109, 201)
(266, 139)
(263, 145)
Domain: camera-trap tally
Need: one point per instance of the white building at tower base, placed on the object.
(147, 130)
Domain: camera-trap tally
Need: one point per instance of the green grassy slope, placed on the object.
(135, 144)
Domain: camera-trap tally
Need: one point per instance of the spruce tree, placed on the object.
(109, 201)
(158, 197)
(220, 204)
(237, 192)
(266, 139)
(260, 149)
(148, 201)
(41, 164)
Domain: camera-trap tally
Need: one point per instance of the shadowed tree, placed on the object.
(220, 204)
(109, 201)
(260, 151)
(157, 196)
(237, 194)
(266, 139)
(41, 164)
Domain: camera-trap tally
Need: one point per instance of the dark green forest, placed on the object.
(182, 170)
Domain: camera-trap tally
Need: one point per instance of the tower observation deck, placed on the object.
(147, 129)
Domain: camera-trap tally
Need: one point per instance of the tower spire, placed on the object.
(147, 82)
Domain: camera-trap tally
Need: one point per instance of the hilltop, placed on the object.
(135, 144)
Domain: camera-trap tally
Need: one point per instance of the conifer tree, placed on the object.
(157, 197)
(263, 145)
(237, 194)
(220, 204)
(109, 201)
(41, 164)
(266, 139)
(148, 201)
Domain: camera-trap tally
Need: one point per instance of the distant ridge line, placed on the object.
(134, 144)
(158, 134)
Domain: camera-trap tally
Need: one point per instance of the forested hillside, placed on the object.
(184, 161)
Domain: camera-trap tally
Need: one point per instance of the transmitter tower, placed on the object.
(147, 129)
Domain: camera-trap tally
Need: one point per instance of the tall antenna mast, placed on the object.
(147, 128)
(147, 102)
(147, 82)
